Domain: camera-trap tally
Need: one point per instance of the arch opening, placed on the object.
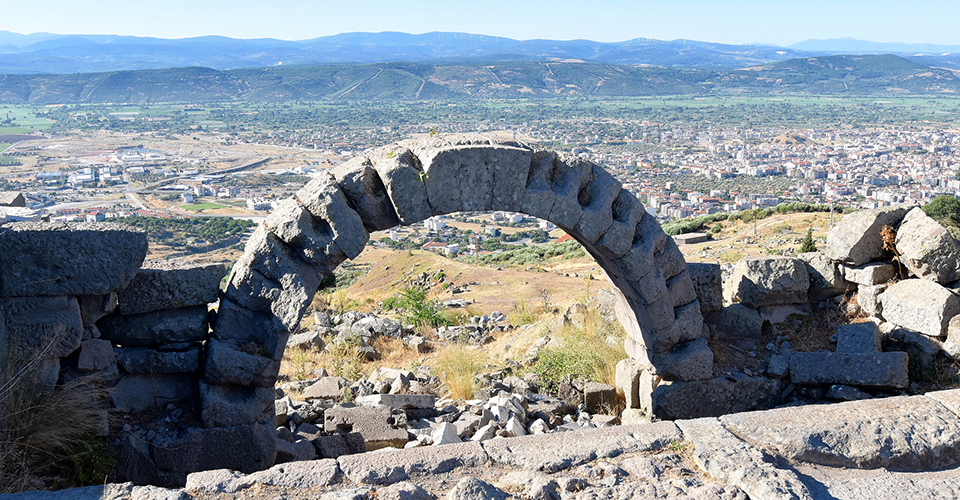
(329, 221)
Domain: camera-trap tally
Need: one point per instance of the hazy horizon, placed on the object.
(782, 23)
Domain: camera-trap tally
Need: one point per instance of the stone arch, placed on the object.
(329, 220)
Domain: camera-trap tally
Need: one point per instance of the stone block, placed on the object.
(326, 388)
(366, 193)
(250, 364)
(231, 405)
(137, 393)
(627, 213)
(875, 369)
(681, 290)
(858, 337)
(736, 321)
(707, 283)
(56, 258)
(600, 398)
(919, 305)
(899, 433)
(538, 197)
(868, 298)
(402, 179)
(399, 401)
(460, 175)
(923, 350)
(826, 278)
(570, 174)
(597, 199)
(927, 248)
(392, 466)
(691, 360)
(40, 324)
(725, 457)
(96, 355)
(952, 345)
(648, 240)
(856, 239)
(310, 238)
(763, 281)
(675, 400)
(874, 273)
(380, 426)
(171, 285)
(156, 328)
(560, 451)
(95, 307)
(145, 360)
(336, 445)
(628, 381)
(296, 451)
(240, 326)
(271, 279)
(246, 448)
(324, 199)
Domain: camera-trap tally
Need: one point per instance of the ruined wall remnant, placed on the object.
(146, 334)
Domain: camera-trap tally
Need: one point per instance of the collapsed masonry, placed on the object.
(209, 385)
(905, 291)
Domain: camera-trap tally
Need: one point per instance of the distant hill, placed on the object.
(829, 75)
(58, 54)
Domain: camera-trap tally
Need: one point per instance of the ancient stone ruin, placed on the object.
(200, 364)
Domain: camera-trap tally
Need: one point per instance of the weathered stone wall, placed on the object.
(207, 387)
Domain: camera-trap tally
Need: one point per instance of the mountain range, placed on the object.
(47, 53)
(839, 75)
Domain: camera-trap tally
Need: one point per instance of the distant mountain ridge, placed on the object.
(840, 75)
(49, 53)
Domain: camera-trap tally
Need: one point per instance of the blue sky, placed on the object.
(781, 22)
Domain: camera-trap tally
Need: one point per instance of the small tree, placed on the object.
(807, 245)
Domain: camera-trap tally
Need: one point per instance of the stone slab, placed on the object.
(399, 401)
(872, 274)
(50, 326)
(672, 400)
(144, 360)
(724, 456)
(858, 337)
(57, 258)
(156, 328)
(379, 425)
(300, 475)
(875, 369)
(879, 484)
(559, 451)
(390, 466)
(328, 204)
(902, 433)
(136, 393)
(171, 285)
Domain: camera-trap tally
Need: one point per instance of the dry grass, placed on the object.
(48, 436)
(590, 349)
(457, 367)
